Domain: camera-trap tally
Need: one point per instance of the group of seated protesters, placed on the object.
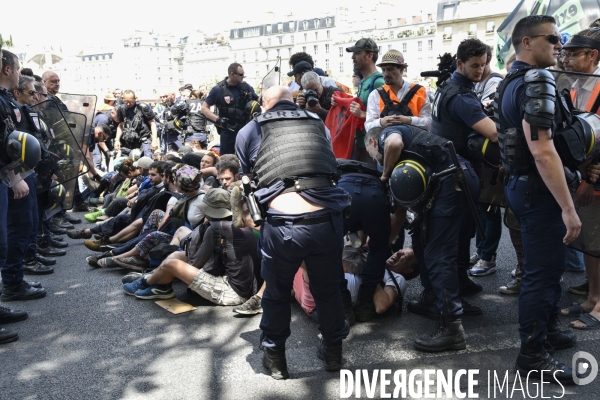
(185, 218)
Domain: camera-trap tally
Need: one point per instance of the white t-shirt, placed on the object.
(354, 282)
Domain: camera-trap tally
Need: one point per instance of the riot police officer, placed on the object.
(442, 228)
(456, 114)
(136, 125)
(229, 97)
(528, 108)
(303, 222)
(21, 196)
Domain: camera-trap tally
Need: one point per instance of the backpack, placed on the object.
(392, 107)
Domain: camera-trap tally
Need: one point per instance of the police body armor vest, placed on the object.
(197, 120)
(134, 129)
(568, 134)
(235, 110)
(442, 123)
(294, 144)
(428, 145)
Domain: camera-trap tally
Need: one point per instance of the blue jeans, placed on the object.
(449, 229)
(286, 242)
(19, 229)
(491, 222)
(369, 213)
(543, 230)
(574, 260)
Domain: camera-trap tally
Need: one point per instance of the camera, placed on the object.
(312, 99)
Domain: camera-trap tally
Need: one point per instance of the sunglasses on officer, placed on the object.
(551, 38)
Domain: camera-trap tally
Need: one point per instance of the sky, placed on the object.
(73, 25)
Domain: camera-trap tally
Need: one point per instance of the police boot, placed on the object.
(71, 219)
(426, 305)
(274, 360)
(331, 354)
(533, 359)
(449, 335)
(466, 284)
(557, 339)
(59, 244)
(365, 309)
(348, 307)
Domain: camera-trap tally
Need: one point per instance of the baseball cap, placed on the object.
(110, 97)
(319, 71)
(143, 162)
(393, 57)
(216, 203)
(302, 66)
(363, 44)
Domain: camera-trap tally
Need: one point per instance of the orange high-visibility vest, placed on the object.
(591, 100)
(415, 104)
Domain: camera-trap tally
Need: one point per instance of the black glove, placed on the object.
(222, 122)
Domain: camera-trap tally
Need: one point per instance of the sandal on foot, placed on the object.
(589, 320)
(573, 311)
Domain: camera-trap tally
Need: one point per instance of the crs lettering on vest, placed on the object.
(283, 114)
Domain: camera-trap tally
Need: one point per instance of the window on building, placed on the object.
(304, 49)
(316, 35)
(235, 33)
(257, 74)
(389, 23)
(289, 51)
(326, 64)
(430, 44)
(280, 39)
(256, 56)
(267, 67)
(292, 39)
(420, 45)
(316, 50)
(391, 34)
(305, 25)
(278, 52)
(341, 51)
(327, 48)
(159, 80)
(448, 12)
(234, 57)
(473, 29)
(328, 34)
(389, 46)
(280, 27)
(328, 22)
(341, 67)
(243, 57)
(447, 32)
(267, 54)
(158, 70)
(269, 27)
(404, 48)
(316, 22)
(268, 41)
(306, 37)
(291, 26)
(490, 27)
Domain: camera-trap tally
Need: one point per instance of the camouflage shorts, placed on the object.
(215, 289)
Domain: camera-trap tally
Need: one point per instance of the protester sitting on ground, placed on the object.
(206, 162)
(228, 168)
(222, 271)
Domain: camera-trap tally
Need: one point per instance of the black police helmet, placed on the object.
(252, 109)
(410, 180)
(57, 193)
(25, 147)
(483, 149)
(591, 124)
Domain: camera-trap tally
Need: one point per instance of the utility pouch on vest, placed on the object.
(570, 145)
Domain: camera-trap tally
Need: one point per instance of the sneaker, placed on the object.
(513, 287)
(250, 307)
(156, 292)
(134, 262)
(131, 277)
(8, 315)
(78, 234)
(581, 289)
(95, 244)
(474, 258)
(92, 217)
(482, 268)
(131, 288)
(107, 262)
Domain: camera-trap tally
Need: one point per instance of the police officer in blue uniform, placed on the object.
(303, 222)
(22, 201)
(443, 224)
(230, 98)
(456, 113)
(136, 127)
(530, 112)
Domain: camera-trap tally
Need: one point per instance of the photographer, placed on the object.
(316, 97)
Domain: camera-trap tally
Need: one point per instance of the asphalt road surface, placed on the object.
(88, 340)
